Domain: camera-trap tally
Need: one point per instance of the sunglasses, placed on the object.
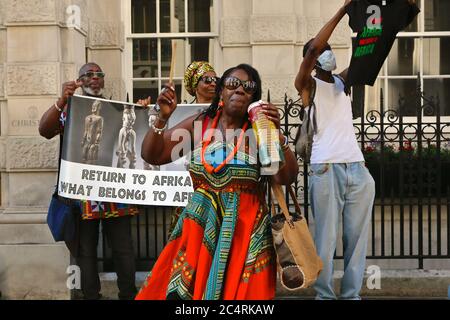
(232, 83)
(92, 74)
(209, 79)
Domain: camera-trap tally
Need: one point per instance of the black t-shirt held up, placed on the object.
(375, 35)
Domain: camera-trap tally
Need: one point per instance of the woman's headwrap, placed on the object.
(193, 74)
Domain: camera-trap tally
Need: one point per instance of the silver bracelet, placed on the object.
(286, 141)
(285, 145)
(57, 108)
(159, 131)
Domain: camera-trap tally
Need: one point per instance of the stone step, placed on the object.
(393, 284)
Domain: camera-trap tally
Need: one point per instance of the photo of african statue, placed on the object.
(151, 120)
(112, 136)
(93, 131)
(127, 139)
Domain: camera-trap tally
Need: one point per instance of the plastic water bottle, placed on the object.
(270, 154)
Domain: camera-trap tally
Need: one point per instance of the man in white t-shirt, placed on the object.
(340, 183)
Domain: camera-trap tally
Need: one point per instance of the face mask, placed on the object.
(327, 61)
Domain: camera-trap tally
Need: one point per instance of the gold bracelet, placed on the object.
(57, 108)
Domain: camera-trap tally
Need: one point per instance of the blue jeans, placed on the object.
(345, 189)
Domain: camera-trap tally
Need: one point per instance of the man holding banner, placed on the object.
(115, 217)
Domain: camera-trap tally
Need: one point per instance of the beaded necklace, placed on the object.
(209, 168)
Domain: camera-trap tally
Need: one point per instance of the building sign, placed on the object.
(32, 119)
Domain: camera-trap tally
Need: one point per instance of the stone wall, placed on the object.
(42, 45)
(105, 44)
(271, 37)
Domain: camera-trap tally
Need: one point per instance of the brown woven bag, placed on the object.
(297, 261)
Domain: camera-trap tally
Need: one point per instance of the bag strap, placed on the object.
(279, 195)
(294, 199)
(307, 114)
(312, 108)
(312, 95)
(61, 141)
(59, 162)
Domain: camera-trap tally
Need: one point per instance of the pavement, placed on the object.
(392, 285)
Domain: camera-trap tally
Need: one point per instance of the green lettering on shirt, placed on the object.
(371, 32)
(364, 50)
(368, 33)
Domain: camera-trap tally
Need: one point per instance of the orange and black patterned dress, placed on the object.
(221, 246)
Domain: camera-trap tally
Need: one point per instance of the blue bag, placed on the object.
(61, 219)
(62, 216)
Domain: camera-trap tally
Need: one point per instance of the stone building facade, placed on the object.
(43, 43)
(38, 52)
(40, 48)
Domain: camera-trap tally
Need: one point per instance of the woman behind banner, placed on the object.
(115, 218)
(221, 247)
(200, 81)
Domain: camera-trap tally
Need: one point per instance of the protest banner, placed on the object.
(101, 158)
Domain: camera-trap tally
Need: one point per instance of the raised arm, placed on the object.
(49, 125)
(157, 145)
(303, 81)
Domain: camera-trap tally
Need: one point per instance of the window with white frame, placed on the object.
(422, 49)
(153, 25)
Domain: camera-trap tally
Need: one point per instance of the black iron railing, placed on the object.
(409, 158)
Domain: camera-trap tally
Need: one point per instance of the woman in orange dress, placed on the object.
(221, 246)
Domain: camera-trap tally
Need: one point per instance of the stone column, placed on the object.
(2, 98)
(106, 44)
(37, 53)
(273, 37)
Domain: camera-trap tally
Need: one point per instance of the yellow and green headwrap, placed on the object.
(193, 74)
